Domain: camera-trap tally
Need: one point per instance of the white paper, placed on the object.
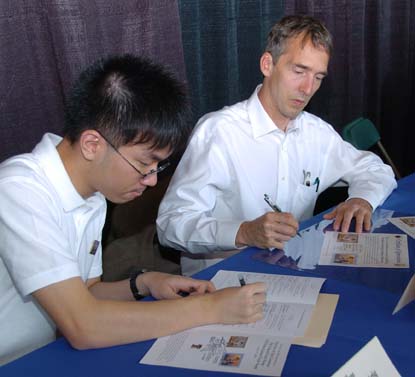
(290, 302)
(407, 296)
(285, 288)
(365, 250)
(407, 224)
(193, 349)
(370, 361)
(305, 251)
(259, 348)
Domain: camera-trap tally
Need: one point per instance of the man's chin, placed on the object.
(132, 195)
(125, 198)
(294, 113)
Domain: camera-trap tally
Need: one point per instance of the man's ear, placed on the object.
(90, 144)
(266, 64)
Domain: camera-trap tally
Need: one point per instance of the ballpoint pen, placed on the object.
(275, 207)
(186, 293)
(317, 183)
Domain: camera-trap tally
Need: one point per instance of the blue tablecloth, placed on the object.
(362, 313)
(304, 253)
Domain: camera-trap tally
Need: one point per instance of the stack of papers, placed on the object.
(295, 313)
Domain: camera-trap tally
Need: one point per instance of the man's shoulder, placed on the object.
(24, 166)
(228, 116)
(22, 175)
(313, 123)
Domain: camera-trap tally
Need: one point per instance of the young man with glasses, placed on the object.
(267, 145)
(125, 116)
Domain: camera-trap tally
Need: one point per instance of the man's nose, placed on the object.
(150, 180)
(307, 85)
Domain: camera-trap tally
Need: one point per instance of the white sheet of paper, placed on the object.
(290, 302)
(259, 348)
(407, 224)
(407, 296)
(371, 360)
(258, 355)
(284, 288)
(365, 250)
(306, 249)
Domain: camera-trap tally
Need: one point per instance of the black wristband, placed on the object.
(133, 285)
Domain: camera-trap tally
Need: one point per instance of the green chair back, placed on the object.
(361, 133)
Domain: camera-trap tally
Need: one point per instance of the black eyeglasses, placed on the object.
(151, 172)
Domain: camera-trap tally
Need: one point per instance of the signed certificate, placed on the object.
(365, 250)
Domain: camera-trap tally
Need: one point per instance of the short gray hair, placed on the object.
(292, 26)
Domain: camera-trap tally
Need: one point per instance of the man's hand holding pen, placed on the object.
(243, 304)
(270, 230)
(275, 208)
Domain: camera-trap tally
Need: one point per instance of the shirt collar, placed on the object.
(55, 171)
(261, 123)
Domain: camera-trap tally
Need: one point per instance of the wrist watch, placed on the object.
(133, 284)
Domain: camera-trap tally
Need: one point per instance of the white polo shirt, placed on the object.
(48, 233)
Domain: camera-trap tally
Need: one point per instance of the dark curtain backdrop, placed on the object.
(222, 43)
(372, 71)
(44, 44)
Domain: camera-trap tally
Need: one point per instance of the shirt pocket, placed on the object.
(304, 200)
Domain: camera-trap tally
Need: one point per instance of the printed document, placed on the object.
(259, 348)
(407, 224)
(365, 250)
(371, 360)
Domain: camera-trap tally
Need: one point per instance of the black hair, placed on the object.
(128, 99)
(294, 25)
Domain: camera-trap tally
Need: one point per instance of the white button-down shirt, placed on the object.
(237, 154)
(48, 233)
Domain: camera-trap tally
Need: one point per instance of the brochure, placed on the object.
(406, 224)
(259, 348)
(365, 250)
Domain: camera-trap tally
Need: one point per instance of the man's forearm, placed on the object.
(88, 322)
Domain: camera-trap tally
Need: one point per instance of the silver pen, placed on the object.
(275, 207)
